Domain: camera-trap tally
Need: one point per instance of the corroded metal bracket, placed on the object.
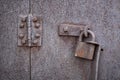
(29, 30)
(67, 29)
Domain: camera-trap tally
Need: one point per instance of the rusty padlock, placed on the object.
(86, 49)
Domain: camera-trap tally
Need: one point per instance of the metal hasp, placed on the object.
(67, 29)
(29, 30)
(86, 49)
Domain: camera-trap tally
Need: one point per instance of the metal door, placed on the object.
(55, 59)
(14, 60)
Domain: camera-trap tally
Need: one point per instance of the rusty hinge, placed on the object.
(29, 30)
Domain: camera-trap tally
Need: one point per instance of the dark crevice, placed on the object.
(30, 63)
(30, 6)
(30, 12)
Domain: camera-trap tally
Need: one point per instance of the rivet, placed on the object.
(35, 41)
(65, 29)
(23, 41)
(23, 19)
(37, 25)
(37, 35)
(21, 25)
(34, 19)
(21, 35)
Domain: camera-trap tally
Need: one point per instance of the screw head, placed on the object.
(23, 19)
(35, 19)
(65, 29)
(37, 35)
(21, 25)
(35, 41)
(21, 35)
(23, 41)
(37, 25)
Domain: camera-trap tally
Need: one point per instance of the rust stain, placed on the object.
(81, 53)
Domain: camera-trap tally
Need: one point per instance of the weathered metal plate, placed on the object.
(22, 30)
(36, 31)
(67, 29)
(85, 50)
(29, 30)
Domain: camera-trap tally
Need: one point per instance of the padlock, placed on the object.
(86, 49)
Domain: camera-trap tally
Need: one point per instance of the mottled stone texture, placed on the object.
(55, 60)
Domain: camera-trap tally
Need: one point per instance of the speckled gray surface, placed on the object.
(55, 59)
(14, 61)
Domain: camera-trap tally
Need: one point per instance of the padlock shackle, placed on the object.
(89, 32)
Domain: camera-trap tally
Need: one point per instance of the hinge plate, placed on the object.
(29, 30)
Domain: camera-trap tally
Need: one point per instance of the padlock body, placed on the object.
(85, 50)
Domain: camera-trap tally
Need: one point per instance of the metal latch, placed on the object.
(68, 29)
(85, 48)
(29, 30)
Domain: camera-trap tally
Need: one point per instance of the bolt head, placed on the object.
(37, 35)
(21, 25)
(21, 35)
(65, 29)
(37, 25)
(23, 41)
(35, 41)
(23, 19)
(35, 19)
